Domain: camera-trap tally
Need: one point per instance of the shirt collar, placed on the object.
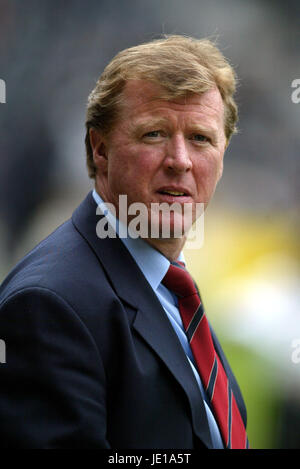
(152, 263)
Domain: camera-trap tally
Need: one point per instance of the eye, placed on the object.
(200, 138)
(153, 134)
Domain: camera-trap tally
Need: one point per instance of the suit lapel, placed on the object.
(151, 321)
(153, 325)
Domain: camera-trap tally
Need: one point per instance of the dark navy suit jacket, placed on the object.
(92, 360)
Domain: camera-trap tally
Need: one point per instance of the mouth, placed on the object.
(174, 192)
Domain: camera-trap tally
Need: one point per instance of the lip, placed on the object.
(184, 190)
(170, 199)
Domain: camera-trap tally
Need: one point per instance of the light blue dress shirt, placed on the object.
(154, 267)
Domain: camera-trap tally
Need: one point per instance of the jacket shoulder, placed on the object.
(63, 263)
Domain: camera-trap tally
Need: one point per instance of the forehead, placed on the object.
(142, 99)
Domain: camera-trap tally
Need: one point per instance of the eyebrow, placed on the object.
(143, 124)
(156, 123)
(211, 131)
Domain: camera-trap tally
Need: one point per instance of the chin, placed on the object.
(169, 226)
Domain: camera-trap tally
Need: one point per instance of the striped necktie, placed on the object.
(210, 368)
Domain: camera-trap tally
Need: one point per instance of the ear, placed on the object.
(220, 171)
(97, 142)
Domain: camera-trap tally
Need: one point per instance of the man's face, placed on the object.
(162, 151)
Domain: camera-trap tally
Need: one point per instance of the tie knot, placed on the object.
(178, 280)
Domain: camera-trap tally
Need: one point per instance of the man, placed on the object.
(104, 349)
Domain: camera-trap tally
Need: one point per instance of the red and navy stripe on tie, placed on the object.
(212, 373)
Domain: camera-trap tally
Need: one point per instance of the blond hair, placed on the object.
(179, 64)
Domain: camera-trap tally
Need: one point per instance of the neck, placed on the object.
(170, 248)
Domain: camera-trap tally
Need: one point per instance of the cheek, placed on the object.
(141, 161)
(208, 172)
(131, 170)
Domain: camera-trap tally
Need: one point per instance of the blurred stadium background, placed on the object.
(52, 52)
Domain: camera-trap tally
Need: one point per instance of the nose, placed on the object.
(177, 157)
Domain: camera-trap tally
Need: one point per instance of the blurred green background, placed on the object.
(248, 270)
